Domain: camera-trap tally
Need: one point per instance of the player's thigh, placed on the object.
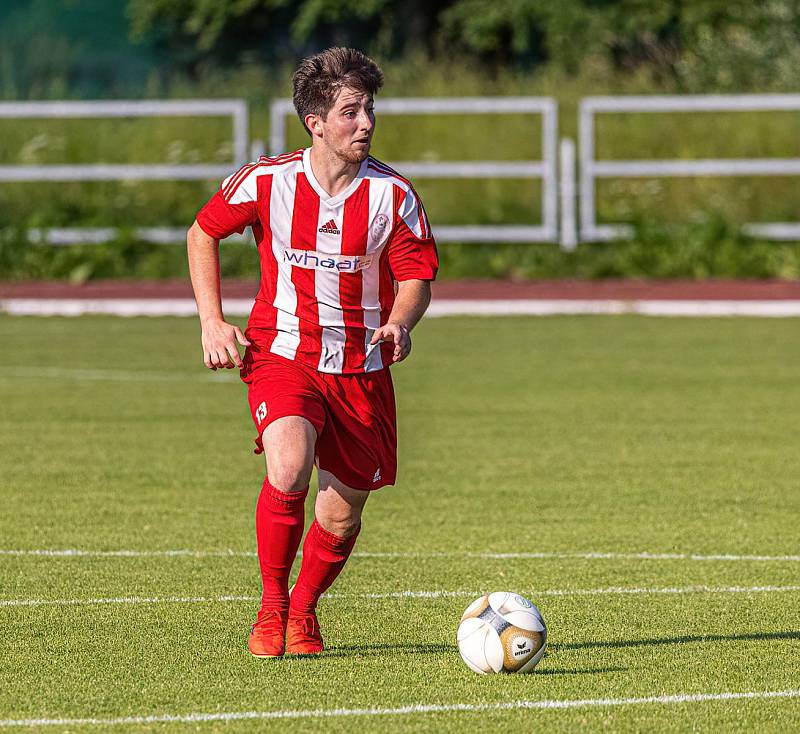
(338, 507)
(289, 451)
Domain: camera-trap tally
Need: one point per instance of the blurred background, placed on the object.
(680, 222)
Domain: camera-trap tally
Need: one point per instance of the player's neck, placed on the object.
(332, 173)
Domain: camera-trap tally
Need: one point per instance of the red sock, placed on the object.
(324, 556)
(279, 527)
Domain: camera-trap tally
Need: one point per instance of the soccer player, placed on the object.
(347, 257)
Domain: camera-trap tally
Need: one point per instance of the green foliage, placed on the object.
(58, 48)
(270, 31)
(709, 248)
(705, 44)
(741, 45)
(505, 30)
(123, 257)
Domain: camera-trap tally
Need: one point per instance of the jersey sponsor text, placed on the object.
(314, 260)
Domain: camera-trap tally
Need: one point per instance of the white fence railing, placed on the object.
(236, 109)
(592, 169)
(544, 169)
(556, 185)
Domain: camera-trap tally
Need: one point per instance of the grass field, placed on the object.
(566, 437)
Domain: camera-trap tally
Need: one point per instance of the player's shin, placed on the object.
(279, 528)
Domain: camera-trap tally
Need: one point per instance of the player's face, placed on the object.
(348, 127)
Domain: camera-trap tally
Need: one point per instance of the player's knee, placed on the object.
(343, 525)
(347, 528)
(289, 476)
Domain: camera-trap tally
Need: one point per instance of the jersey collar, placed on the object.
(323, 195)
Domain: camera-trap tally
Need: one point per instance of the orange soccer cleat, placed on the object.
(303, 636)
(267, 635)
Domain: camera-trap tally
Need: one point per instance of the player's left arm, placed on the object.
(410, 304)
(413, 262)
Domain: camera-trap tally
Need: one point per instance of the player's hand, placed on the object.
(396, 333)
(219, 344)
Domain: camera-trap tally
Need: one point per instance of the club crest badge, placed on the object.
(378, 228)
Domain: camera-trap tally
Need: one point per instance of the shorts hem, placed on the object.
(372, 488)
(272, 418)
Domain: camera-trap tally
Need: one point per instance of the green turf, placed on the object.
(612, 434)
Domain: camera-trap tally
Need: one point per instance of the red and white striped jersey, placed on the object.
(328, 263)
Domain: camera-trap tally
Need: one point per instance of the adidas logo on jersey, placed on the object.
(329, 227)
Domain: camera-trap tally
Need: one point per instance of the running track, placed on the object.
(478, 297)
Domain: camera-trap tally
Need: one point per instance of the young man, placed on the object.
(347, 257)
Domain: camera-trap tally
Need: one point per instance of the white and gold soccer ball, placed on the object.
(502, 633)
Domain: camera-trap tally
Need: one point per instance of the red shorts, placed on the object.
(353, 415)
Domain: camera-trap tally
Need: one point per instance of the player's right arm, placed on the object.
(218, 337)
(230, 210)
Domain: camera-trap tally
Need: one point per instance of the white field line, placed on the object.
(552, 704)
(123, 600)
(78, 553)
(488, 555)
(438, 594)
(439, 307)
(98, 375)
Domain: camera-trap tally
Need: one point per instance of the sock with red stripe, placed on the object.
(324, 556)
(279, 528)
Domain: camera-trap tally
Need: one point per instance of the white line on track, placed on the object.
(557, 704)
(489, 555)
(438, 594)
(439, 307)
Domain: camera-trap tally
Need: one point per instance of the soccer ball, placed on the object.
(502, 633)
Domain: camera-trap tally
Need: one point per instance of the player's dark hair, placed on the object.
(319, 79)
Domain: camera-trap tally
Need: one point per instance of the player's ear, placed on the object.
(313, 124)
